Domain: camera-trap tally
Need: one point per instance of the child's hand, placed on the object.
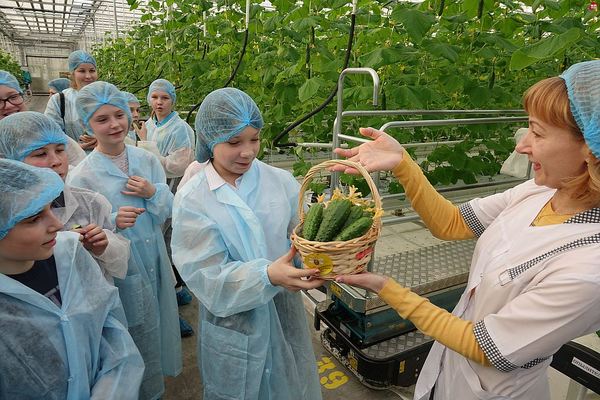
(87, 142)
(140, 187)
(127, 215)
(143, 132)
(283, 273)
(94, 238)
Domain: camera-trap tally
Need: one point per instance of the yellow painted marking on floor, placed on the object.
(325, 364)
(333, 379)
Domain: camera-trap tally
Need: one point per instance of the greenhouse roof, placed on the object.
(61, 23)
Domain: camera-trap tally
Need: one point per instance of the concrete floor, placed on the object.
(37, 103)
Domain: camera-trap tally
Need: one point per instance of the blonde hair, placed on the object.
(548, 100)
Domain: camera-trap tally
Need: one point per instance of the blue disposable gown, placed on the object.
(254, 341)
(80, 350)
(71, 125)
(147, 292)
(131, 138)
(84, 207)
(173, 144)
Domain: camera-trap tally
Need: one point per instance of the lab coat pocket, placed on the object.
(472, 389)
(224, 360)
(132, 296)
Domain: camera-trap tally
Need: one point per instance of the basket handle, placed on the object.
(330, 163)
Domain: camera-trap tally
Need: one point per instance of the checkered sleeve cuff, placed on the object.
(468, 214)
(494, 355)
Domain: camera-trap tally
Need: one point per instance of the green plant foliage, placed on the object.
(7, 63)
(437, 54)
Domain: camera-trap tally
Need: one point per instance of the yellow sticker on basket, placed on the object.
(322, 262)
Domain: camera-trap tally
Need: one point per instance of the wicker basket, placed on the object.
(337, 257)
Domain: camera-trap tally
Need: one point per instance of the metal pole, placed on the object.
(115, 14)
(455, 121)
(335, 176)
(370, 113)
(247, 13)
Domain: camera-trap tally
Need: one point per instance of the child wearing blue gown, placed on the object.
(133, 181)
(231, 227)
(64, 334)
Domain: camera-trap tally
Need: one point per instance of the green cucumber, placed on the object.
(312, 221)
(356, 229)
(334, 216)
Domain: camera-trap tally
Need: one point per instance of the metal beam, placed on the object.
(62, 21)
(36, 10)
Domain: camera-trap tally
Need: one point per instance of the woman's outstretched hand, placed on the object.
(365, 280)
(384, 153)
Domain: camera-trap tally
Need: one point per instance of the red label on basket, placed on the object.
(364, 253)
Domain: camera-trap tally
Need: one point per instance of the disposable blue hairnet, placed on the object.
(59, 84)
(96, 95)
(16, 142)
(24, 192)
(162, 85)
(130, 97)
(8, 79)
(583, 85)
(80, 57)
(223, 114)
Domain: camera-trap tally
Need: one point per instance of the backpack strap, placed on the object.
(61, 96)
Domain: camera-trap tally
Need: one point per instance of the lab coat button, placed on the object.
(64, 318)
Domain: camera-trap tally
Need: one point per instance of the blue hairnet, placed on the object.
(80, 57)
(223, 114)
(96, 95)
(162, 85)
(130, 97)
(583, 86)
(24, 192)
(8, 79)
(59, 84)
(16, 142)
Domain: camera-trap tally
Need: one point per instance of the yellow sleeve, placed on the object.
(443, 218)
(448, 329)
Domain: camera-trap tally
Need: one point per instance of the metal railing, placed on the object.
(338, 137)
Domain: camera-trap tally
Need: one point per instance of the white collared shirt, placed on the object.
(215, 180)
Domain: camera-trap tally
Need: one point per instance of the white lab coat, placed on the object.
(84, 207)
(525, 298)
(191, 171)
(75, 153)
(173, 144)
(71, 124)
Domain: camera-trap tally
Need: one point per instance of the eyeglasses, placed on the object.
(16, 100)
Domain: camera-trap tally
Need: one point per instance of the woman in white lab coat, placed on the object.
(534, 282)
